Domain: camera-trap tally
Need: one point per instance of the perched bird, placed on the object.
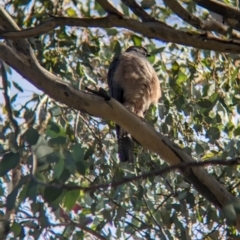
(134, 83)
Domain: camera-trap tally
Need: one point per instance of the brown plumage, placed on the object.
(134, 83)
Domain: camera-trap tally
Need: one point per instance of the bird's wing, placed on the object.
(115, 89)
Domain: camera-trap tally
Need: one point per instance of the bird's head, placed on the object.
(140, 50)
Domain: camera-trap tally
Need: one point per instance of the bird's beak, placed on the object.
(148, 55)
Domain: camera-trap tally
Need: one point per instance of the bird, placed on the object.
(134, 83)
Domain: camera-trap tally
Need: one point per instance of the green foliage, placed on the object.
(9, 161)
(50, 194)
(16, 228)
(199, 111)
(31, 136)
(11, 198)
(70, 199)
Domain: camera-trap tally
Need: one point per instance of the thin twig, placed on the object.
(83, 227)
(161, 232)
(135, 229)
(88, 126)
(89, 230)
(130, 214)
(120, 206)
(161, 204)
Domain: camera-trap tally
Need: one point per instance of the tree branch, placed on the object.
(129, 213)
(156, 30)
(209, 25)
(135, 7)
(226, 11)
(21, 46)
(108, 7)
(181, 12)
(181, 166)
(161, 231)
(81, 226)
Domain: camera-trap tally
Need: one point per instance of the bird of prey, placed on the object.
(134, 83)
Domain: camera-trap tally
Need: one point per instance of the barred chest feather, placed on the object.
(139, 82)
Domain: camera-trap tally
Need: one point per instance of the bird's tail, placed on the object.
(125, 145)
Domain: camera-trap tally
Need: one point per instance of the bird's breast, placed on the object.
(138, 80)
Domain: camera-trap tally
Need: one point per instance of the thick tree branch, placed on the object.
(156, 30)
(205, 25)
(226, 11)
